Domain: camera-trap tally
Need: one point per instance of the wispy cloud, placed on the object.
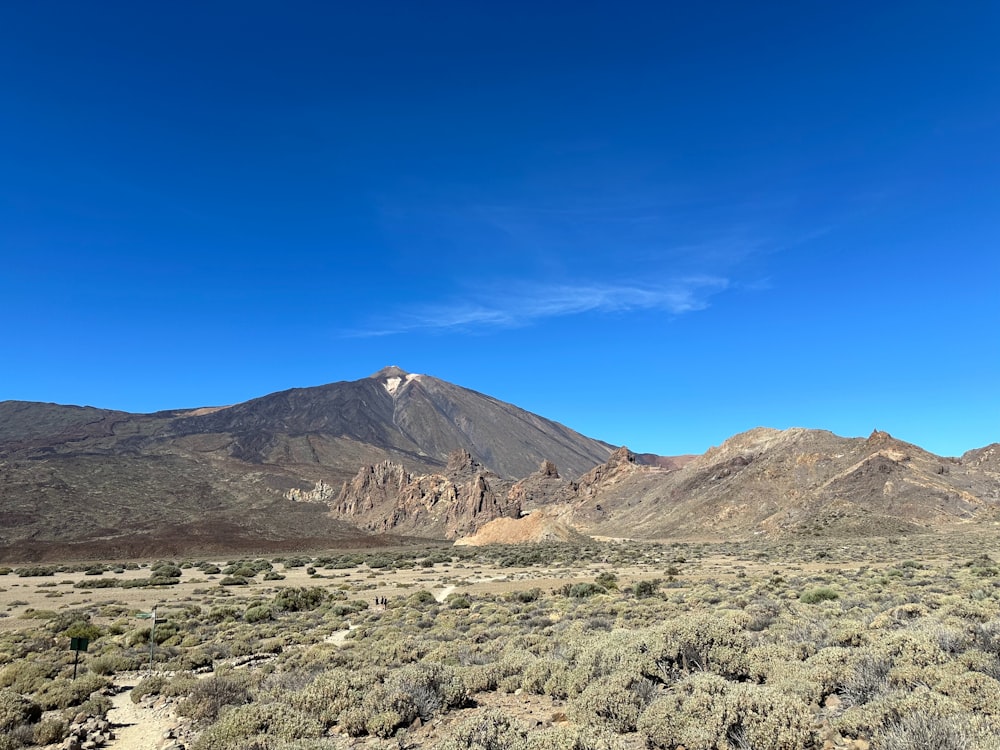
(525, 305)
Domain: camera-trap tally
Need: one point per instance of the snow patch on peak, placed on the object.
(393, 384)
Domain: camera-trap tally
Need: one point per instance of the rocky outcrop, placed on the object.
(386, 498)
(321, 493)
(620, 464)
(543, 487)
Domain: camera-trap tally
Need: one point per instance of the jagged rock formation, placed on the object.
(387, 498)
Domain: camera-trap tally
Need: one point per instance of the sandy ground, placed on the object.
(138, 726)
(19, 595)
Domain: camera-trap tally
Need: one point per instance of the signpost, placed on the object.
(78, 645)
(151, 616)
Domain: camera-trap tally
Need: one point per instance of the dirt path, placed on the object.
(443, 593)
(341, 635)
(138, 726)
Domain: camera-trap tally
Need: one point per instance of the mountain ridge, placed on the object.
(399, 454)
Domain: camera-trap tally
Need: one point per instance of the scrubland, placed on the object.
(891, 644)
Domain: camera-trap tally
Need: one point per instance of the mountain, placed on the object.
(399, 455)
(91, 481)
(765, 481)
(794, 481)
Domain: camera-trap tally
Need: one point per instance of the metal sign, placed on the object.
(78, 645)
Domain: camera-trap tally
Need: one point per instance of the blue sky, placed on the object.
(658, 223)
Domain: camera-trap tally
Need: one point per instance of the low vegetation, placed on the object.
(611, 646)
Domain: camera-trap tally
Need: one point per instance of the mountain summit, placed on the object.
(225, 475)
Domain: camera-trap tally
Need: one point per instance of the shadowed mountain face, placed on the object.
(417, 418)
(220, 478)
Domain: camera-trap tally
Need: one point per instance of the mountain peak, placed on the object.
(389, 372)
(393, 378)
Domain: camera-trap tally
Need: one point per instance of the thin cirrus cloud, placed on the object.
(527, 305)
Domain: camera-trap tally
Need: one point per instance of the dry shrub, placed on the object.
(415, 691)
(890, 709)
(613, 703)
(599, 655)
(546, 676)
(922, 731)
(711, 641)
(208, 697)
(26, 676)
(707, 712)
(573, 738)
(63, 693)
(334, 691)
(976, 692)
(489, 730)
(868, 678)
(50, 731)
(257, 723)
(16, 710)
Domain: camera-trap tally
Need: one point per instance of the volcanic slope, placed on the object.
(787, 481)
(95, 480)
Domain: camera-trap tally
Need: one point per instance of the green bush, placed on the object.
(817, 595)
(26, 676)
(108, 664)
(646, 589)
(300, 599)
(97, 583)
(95, 705)
(82, 629)
(35, 571)
(257, 613)
(607, 580)
(582, 590)
(458, 601)
(165, 570)
(63, 693)
(152, 685)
